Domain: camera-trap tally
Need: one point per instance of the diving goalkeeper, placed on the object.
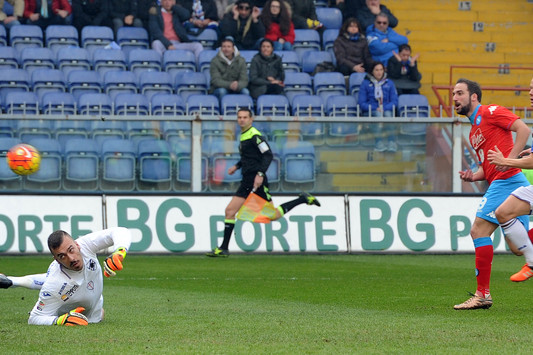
(71, 290)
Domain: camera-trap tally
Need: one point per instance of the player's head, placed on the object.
(531, 92)
(466, 96)
(245, 118)
(65, 250)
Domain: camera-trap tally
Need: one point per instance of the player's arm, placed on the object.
(495, 156)
(119, 238)
(470, 176)
(46, 310)
(522, 135)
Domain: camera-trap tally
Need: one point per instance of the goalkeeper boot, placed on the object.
(217, 252)
(525, 273)
(5, 282)
(309, 199)
(475, 302)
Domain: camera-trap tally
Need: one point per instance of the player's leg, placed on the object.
(34, 282)
(303, 198)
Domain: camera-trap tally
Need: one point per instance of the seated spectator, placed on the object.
(351, 49)
(243, 24)
(47, 12)
(378, 98)
(14, 19)
(90, 13)
(349, 8)
(203, 14)
(382, 39)
(266, 71)
(304, 14)
(367, 14)
(167, 31)
(228, 71)
(278, 25)
(124, 13)
(403, 71)
(143, 11)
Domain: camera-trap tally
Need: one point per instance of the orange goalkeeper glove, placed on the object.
(114, 262)
(72, 318)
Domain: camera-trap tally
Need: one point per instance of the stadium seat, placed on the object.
(47, 80)
(8, 58)
(178, 60)
(96, 36)
(328, 38)
(81, 164)
(298, 160)
(58, 103)
(65, 130)
(231, 103)
(165, 104)
(94, 104)
(152, 83)
(131, 38)
(341, 106)
(104, 130)
(342, 133)
(120, 82)
(131, 105)
(9, 181)
(175, 131)
(138, 130)
(328, 84)
(141, 60)
(308, 106)
(290, 61)
(21, 103)
(14, 80)
(248, 55)
(203, 105)
(216, 130)
(208, 38)
(223, 154)
(31, 129)
(310, 59)
(155, 165)
(83, 82)
(68, 59)
(105, 60)
(23, 36)
(273, 105)
(204, 59)
(297, 84)
(182, 151)
(330, 17)
(412, 105)
(48, 177)
(3, 36)
(60, 36)
(355, 81)
(36, 58)
(190, 83)
(118, 158)
(305, 40)
(7, 127)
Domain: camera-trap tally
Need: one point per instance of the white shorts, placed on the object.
(525, 193)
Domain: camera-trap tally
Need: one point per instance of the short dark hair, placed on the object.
(56, 238)
(246, 109)
(403, 47)
(238, 2)
(266, 40)
(472, 87)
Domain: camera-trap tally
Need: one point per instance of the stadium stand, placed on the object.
(61, 36)
(25, 36)
(8, 58)
(178, 60)
(9, 180)
(155, 165)
(49, 175)
(119, 163)
(81, 157)
(58, 103)
(141, 60)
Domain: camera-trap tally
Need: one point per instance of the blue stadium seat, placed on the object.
(9, 181)
(152, 83)
(118, 158)
(8, 58)
(273, 105)
(84, 82)
(17, 103)
(178, 60)
(330, 17)
(68, 59)
(120, 82)
(14, 80)
(309, 106)
(299, 162)
(341, 106)
(182, 151)
(223, 154)
(305, 40)
(138, 130)
(58, 103)
(248, 55)
(329, 83)
(104, 130)
(310, 59)
(175, 131)
(355, 81)
(105, 60)
(132, 105)
(47, 80)
(31, 129)
(413, 105)
(231, 103)
(36, 58)
(96, 36)
(204, 59)
(203, 105)
(7, 127)
(131, 38)
(155, 165)
(94, 104)
(297, 84)
(190, 83)
(208, 38)
(60, 36)
(81, 158)
(48, 177)
(23, 36)
(65, 130)
(342, 133)
(167, 105)
(328, 38)
(3, 36)
(290, 61)
(141, 60)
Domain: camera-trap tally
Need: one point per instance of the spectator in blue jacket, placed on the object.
(378, 98)
(382, 39)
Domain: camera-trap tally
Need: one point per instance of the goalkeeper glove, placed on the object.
(72, 318)
(114, 262)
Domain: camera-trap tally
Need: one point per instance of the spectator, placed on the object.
(349, 8)
(403, 71)
(14, 19)
(351, 49)
(243, 24)
(167, 31)
(90, 13)
(228, 71)
(367, 14)
(304, 14)
(124, 13)
(266, 71)
(378, 98)
(223, 6)
(278, 25)
(47, 12)
(143, 11)
(203, 14)
(383, 40)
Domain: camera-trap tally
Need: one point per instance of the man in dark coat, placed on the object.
(244, 25)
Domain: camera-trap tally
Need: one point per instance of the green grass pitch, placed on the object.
(283, 304)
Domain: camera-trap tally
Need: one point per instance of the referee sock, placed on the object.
(287, 206)
(484, 256)
(229, 224)
(515, 231)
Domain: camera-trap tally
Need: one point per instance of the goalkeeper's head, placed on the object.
(65, 250)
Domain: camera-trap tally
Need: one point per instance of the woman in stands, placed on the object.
(266, 71)
(278, 24)
(378, 98)
(351, 49)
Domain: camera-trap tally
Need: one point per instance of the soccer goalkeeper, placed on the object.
(71, 290)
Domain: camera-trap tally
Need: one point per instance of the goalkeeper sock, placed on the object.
(515, 231)
(287, 206)
(484, 256)
(229, 224)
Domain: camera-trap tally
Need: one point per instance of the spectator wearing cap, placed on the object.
(228, 71)
(243, 24)
(383, 40)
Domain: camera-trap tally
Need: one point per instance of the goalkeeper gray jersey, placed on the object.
(64, 289)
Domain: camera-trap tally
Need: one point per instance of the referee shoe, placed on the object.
(217, 252)
(310, 199)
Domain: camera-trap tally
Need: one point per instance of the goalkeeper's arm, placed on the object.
(114, 261)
